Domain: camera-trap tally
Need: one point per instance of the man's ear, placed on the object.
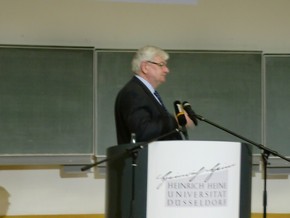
(144, 67)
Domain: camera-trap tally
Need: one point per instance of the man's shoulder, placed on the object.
(134, 84)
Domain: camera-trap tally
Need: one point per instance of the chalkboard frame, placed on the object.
(87, 157)
(276, 115)
(73, 61)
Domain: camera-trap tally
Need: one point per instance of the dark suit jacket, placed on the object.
(137, 111)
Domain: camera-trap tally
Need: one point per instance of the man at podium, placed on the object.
(138, 106)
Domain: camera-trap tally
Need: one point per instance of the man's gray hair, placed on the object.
(147, 53)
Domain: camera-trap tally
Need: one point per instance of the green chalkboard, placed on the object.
(46, 107)
(277, 76)
(57, 103)
(222, 86)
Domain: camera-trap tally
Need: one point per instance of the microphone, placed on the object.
(190, 112)
(180, 117)
(179, 113)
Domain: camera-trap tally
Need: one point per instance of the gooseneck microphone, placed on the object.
(190, 112)
(180, 117)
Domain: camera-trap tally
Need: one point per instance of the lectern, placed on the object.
(169, 179)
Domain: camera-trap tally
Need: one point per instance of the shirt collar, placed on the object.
(146, 83)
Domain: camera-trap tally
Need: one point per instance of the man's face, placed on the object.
(155, 71)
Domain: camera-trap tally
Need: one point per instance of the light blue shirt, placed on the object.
(148, 85)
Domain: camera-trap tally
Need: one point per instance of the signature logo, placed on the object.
(192, 175)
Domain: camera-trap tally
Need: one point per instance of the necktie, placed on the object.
(160, 100)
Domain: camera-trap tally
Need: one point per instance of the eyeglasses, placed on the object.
(158, 64)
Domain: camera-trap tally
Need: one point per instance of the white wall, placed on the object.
(211, 24)
(44, 190)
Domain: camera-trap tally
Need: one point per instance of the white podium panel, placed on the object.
(193, 179)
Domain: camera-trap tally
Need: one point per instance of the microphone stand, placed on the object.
(264, 156)
(134, 154)
(138, 146)
(184, 132)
